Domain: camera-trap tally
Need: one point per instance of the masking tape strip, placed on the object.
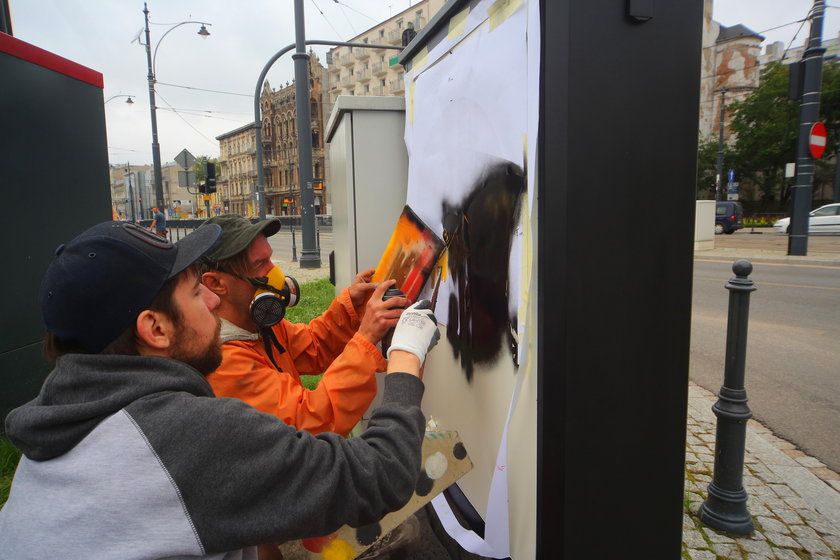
(411, 102)
(500, 10)
(457, 23)
(420, 59)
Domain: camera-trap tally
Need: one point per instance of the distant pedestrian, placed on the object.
(158, 222)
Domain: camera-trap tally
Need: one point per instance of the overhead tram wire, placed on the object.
(355, 10)
(202, 113)
(341, 7)
(337, 34)
(784, 53)
(186, 121)
(203, 89)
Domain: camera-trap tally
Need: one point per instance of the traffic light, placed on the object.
(209, 177)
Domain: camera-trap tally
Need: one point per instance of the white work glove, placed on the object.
(417, 331)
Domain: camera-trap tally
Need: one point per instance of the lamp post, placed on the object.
(150, 60)
(130, 194)
(129, 101)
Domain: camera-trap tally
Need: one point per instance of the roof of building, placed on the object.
(736, 32)
(235, 131)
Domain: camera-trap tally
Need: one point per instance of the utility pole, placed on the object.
(809, 113)
(837, 169)
(719, 169)
(309, 255)
(158, 175)
(130, 193)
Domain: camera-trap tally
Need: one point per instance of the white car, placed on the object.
(825, 219)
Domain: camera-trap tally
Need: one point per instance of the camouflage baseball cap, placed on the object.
(237, 233)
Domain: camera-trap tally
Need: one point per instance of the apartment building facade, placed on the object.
(368, 71)
(237, 171)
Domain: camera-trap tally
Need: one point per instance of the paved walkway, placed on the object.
(794, 499)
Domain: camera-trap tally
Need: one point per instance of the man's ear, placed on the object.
(154, 331)
(215, 282)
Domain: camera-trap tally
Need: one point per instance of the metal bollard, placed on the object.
(726, 506)
(294, 246)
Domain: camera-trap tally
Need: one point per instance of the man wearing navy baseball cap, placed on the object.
(128, 454)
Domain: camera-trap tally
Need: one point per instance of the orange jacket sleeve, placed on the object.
(314, 346)
(343, 394)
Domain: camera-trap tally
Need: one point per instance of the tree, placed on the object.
(707, 149)
(830, 115)
(198, 167)
(766, 125)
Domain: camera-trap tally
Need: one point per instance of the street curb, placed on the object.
(818, 492)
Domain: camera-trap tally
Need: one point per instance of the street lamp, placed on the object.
(129, 101)
(152, 107)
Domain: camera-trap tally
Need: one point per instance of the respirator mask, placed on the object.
(274, 293)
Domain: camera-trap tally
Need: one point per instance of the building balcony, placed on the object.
(361, 53)
(346, 60)
(346, 81)
(363, 75)
(376, 90)
(394, 36)
(396, 86)
(379, 69)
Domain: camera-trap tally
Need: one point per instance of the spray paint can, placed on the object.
(386, 340)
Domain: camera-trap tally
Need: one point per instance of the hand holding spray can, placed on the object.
(391, 292)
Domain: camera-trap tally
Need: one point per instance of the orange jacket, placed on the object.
(328, 345)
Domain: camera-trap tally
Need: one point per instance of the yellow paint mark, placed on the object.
(500, 10)
(525, 155)
(338, 549)
(527, 256)
(443, 264)
(411, 102)
(457, 23)
(419, 60)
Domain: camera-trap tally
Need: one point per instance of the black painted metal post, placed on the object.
(809, 113)
(719, 194)
(726, 506)
(294, 246)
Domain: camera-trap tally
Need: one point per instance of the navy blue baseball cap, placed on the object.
(99, 282)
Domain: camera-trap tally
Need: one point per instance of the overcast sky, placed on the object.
(244, 36)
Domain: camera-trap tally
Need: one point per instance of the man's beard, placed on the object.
(205, 360)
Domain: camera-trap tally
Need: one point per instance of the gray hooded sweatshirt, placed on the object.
(133, 457)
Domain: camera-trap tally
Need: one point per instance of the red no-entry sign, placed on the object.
(816, 139)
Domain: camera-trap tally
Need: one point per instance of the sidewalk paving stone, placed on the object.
(795, 507)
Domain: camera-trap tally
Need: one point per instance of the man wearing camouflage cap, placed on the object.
(263, 355)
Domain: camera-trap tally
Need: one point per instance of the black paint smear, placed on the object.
(480, 234)
(424, 484)
(459, 451)
(368, 534)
